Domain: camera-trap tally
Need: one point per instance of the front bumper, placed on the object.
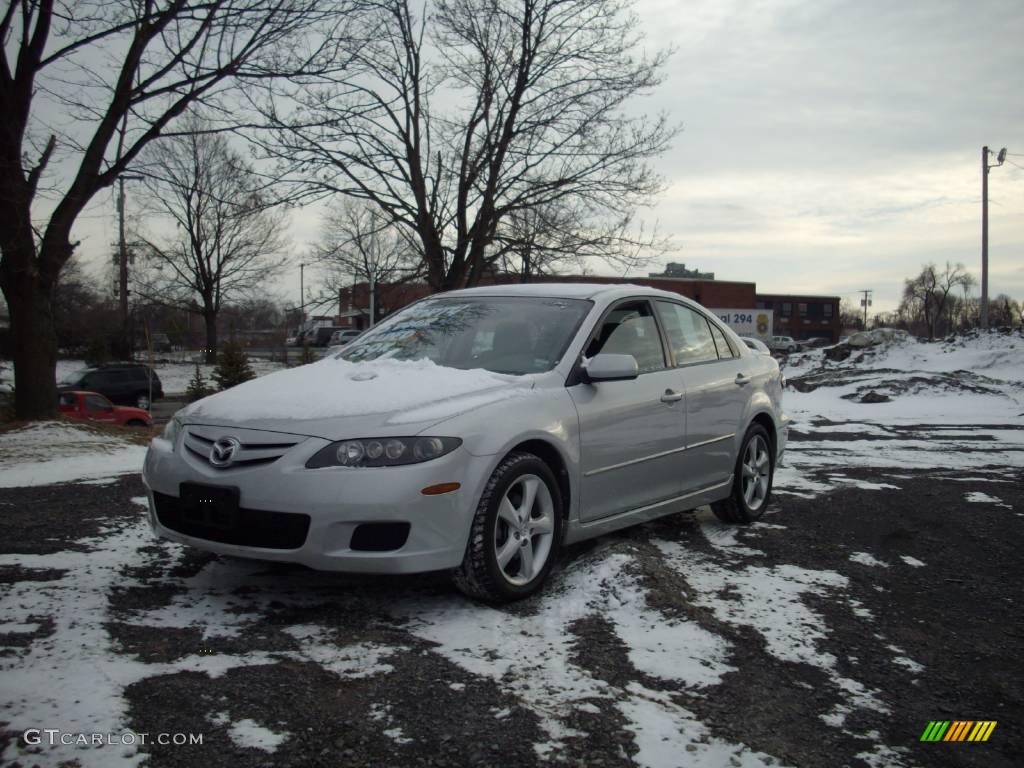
(337, 501)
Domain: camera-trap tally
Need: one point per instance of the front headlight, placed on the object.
(382, 452)
(171, 431)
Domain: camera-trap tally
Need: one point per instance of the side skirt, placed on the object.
(578, 531)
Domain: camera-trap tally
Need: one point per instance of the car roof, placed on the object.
(564, 290)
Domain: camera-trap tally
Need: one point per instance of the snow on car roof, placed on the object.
(561, 290)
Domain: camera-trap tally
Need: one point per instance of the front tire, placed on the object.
(515, 533)
(752, 480)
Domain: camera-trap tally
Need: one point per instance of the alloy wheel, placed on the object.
(757, 467)
(524, 530)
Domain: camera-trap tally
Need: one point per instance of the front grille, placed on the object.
(247, 528)
(256, 447)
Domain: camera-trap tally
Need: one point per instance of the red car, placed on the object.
(92, 406)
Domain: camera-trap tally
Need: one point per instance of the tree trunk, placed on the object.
(34, 345)
(211, 336)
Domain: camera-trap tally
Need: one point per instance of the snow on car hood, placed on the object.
(333, 396)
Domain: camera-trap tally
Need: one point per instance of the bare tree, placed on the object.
(85, 86)
(850, 316)
(1005, 311)
(563, 237)
(358, 243)
(459, 124)
(926, 298)
(225, 241)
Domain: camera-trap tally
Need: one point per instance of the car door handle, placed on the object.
(671, 397)
(742, 379)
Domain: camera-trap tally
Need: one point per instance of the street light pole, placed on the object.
(123, 264)
(302, 297)
(866, 302)
(984, 228)
(373, 291)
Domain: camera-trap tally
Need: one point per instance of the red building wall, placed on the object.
(715, 294)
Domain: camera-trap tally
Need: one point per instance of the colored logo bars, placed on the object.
(958, 730)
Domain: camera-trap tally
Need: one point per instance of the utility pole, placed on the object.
(122, 251)
(866, 302)
(984, 228)
(302, 298)
(373, 291)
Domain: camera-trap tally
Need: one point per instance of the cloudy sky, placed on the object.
(828, 145)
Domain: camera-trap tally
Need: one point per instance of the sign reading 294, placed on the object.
(737, 318)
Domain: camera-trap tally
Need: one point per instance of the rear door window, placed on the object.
(725, 349)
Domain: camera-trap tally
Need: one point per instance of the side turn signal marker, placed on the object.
(437, 490)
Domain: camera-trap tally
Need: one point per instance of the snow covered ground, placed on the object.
(50, 452)
(638, 653)
(962, 400)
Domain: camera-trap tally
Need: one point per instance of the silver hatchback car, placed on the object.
(478, 431)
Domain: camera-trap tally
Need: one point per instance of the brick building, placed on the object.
(353, 301)
(803, 317)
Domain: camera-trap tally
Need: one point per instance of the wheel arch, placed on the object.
(765, 420)
(550, 455)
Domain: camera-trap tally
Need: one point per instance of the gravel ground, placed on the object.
(830, 634)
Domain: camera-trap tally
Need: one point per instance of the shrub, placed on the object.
(232, 366)
(198, 386)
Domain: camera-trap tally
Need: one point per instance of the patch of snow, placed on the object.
(532, 656)
(769, 600)
(86, 674)
(912, 561)
(48, 452)
(910, 664)
(249, 733)
(395, 734)
(667, 734)
(723, 537)
(978, 497)
(864, 485)
(882, 756)
(865, 558)
(859, 610)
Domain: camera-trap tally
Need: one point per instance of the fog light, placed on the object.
(440, 488)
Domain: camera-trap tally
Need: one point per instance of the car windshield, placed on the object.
(75, 377)
(516, 335)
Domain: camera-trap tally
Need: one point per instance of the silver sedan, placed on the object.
(478, 431)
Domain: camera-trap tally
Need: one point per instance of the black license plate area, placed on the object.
(213, 506)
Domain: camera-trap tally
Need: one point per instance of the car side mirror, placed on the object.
(609, 367)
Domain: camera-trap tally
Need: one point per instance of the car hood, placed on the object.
(335, 399)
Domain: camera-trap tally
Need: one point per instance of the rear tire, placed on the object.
(515, 533)
(135, 423)
(142, 401)
(752, 480)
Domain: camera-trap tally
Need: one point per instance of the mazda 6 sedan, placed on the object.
(478, 432)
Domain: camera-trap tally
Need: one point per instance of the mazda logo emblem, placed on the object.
(223, 451)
